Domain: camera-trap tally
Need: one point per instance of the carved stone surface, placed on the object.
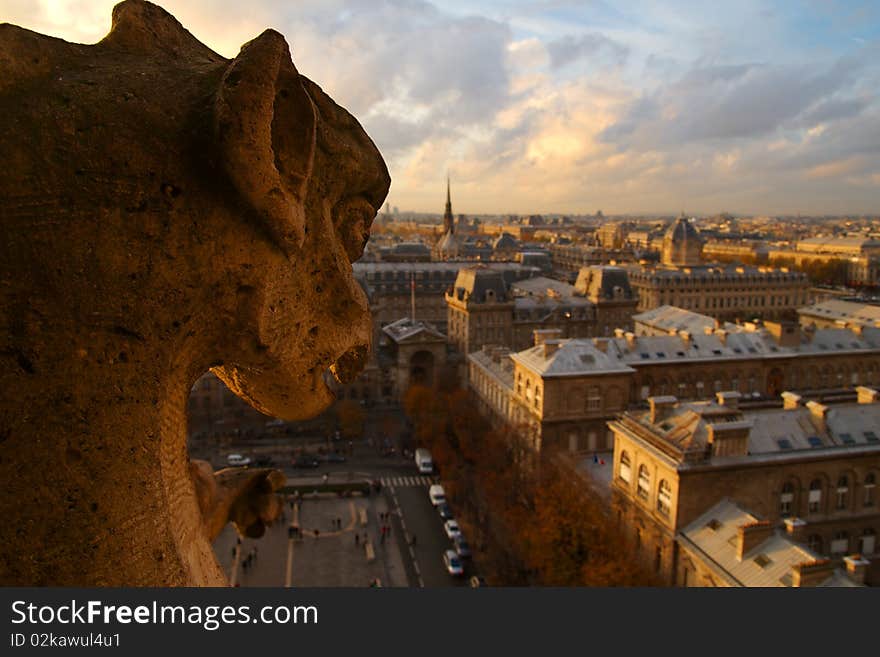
(164, 211)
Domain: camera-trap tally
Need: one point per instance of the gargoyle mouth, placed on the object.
(350, 364)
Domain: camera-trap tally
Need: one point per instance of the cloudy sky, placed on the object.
(556, 106)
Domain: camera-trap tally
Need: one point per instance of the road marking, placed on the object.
(405, 481)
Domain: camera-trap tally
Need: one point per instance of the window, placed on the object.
(870, 484)
(842, 492)
(840, 543)
(814, 542)
(868, 541)
(594, 399)
(815, 499)
(786, 499)
(644, 482)
(625, 469)
(664, 497)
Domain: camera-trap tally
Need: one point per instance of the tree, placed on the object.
(350, 417)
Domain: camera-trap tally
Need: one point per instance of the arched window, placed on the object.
(625, 469)
(814, 542)
(840, 543)
(594, 399)
(664, 497)
(644, 486)
(868, 541)
(815, 499)
(786, 499)
(842, 492)
(870, 484)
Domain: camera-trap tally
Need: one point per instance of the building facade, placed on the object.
(484, 308)
(809, 470)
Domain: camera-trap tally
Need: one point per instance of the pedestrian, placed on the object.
(317, 533)
(339, 523)
(233, 552)
(290, 532)
(357, 539)
(413, 540)
(382, 538)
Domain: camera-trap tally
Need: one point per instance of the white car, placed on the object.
(437, 495)
(238, 460)
(452, 563)
(451, 529)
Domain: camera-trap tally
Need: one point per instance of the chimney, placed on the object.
(721, 334)
(819, 413)
(811, 573)
(685, 336)
(728, 399)
(787, 334)
(730, 438)
(867, 395)
(661, 407)
(796, 529)
(601, 344)
(630, 339)
(550, 347)
(541, 335)
(790, 400)
(750, 535)
(619, 333)
(856, 567)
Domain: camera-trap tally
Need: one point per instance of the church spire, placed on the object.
(448, 222)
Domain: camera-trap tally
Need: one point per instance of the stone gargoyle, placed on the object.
(164, 211)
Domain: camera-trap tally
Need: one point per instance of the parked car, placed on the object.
(452, 563)
(238, 460)
(306, 462)
(451, 528)
(445, 511)
(437, 495)
(462, 548)
(477, 581)
(333, 457)
(264, 462)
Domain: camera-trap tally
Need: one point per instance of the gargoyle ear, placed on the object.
(265, 129)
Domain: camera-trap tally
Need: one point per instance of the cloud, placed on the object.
(570, 48)
(567, 106)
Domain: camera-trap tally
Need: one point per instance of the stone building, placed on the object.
(725, 292)
(840, 313)
(389, 287)
(484, 308)
(729, 547)
(595, 378)
(860, 255)
(807, 470)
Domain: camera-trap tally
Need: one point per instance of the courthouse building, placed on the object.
(725, 292)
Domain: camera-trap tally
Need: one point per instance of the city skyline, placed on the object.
(556, 107)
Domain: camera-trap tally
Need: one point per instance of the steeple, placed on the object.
(448, 222)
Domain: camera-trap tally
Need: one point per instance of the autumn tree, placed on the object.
(350, 417)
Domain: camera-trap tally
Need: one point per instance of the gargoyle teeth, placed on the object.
(350, 364)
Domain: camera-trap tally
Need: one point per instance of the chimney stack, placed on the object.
(856, 567)
(750, 535)
(601, 344)
(542, 335)
(811, 573)
(728, 399)
(796, 529)
(790, 400)
(819, 413)
(550, 347)
(867, 395)
(630, 339)
(661, 407)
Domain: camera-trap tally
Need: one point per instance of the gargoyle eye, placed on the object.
(353, 219)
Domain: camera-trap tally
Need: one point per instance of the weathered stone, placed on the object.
(164, 211)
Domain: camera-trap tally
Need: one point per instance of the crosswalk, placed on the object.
(400, 482)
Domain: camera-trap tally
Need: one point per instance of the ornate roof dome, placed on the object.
(682, 244)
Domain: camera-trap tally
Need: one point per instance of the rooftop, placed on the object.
(850, 312)
(569, 358)
(769, 563)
